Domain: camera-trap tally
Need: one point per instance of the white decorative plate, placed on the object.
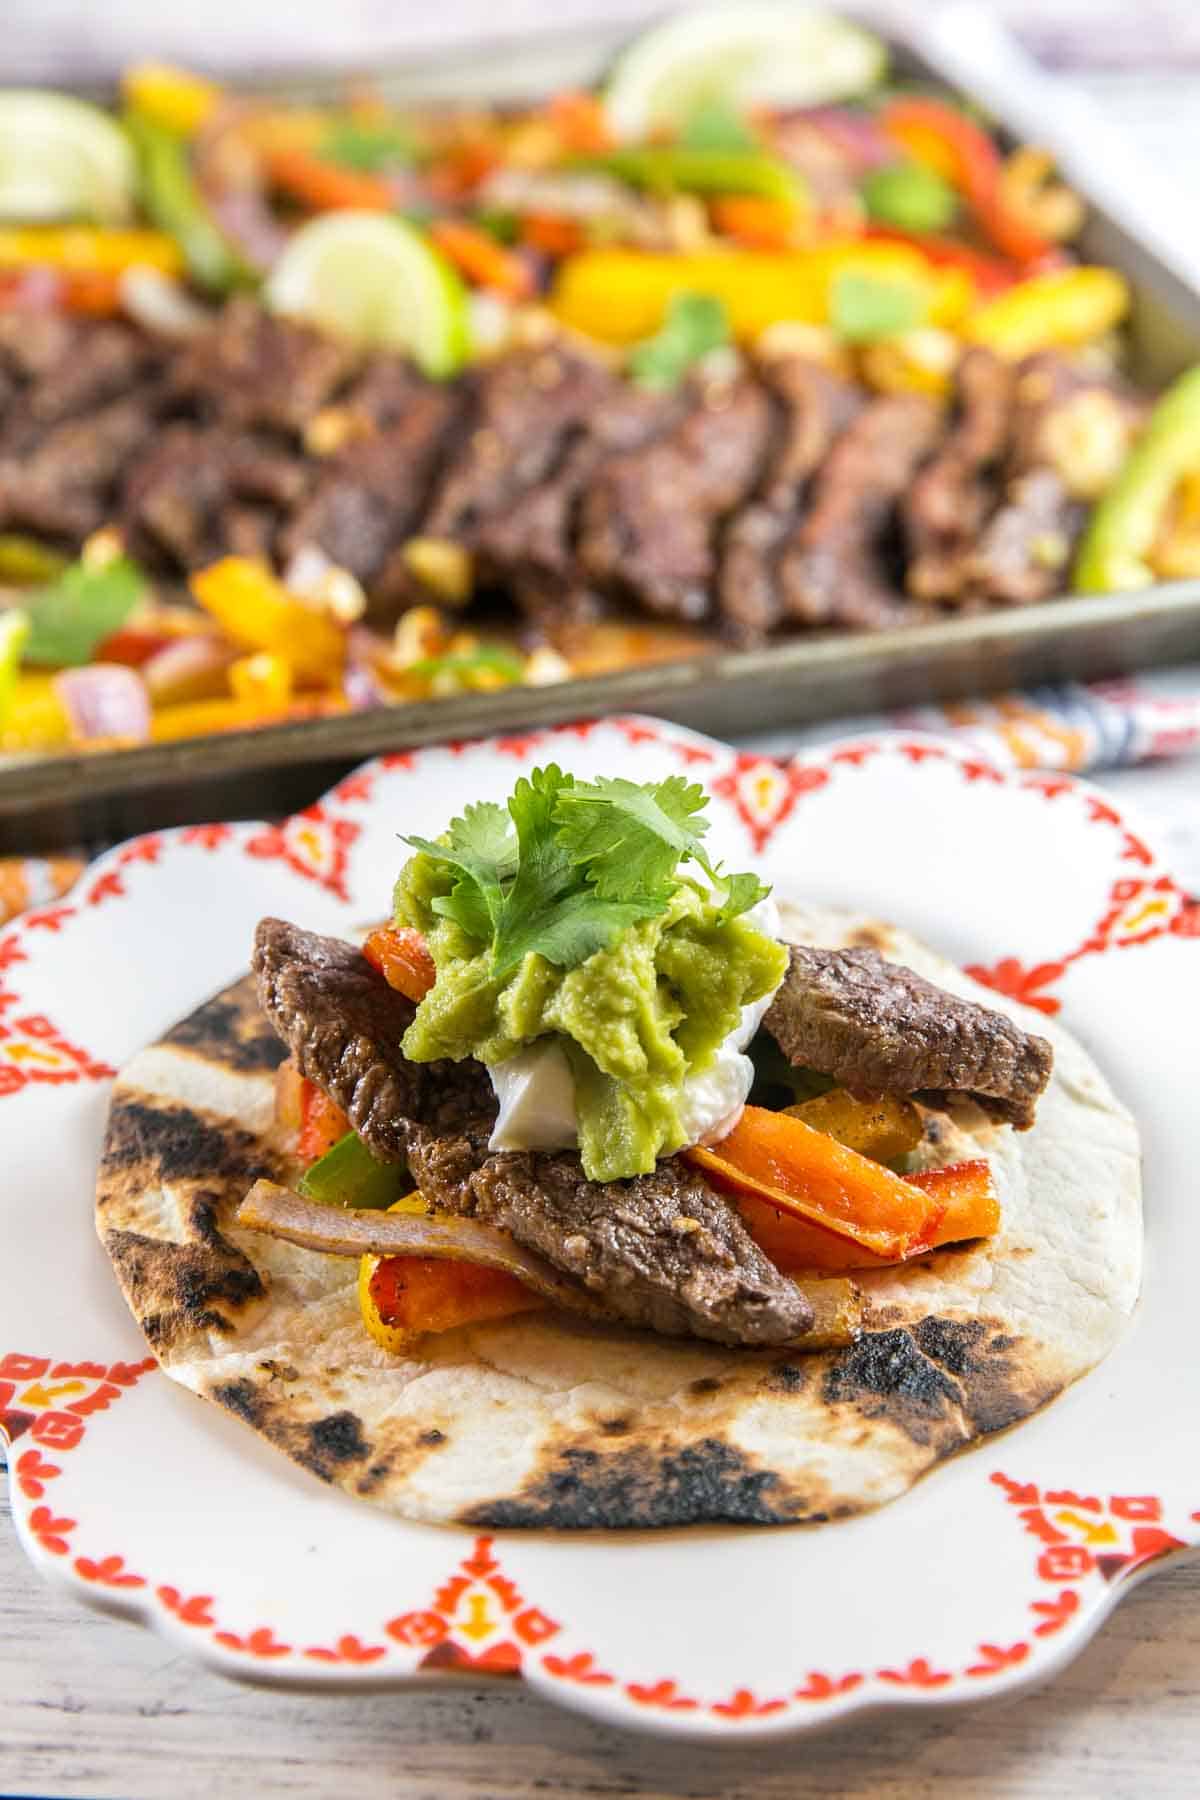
(987, 1576)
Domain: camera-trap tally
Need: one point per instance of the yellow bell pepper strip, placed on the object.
(173, 201)
(1124, 527)
(35, 717)
(264, 678)
(1056, 311)
(173, 98)
(671, 168)
(778, 1158)
(88, 249)
(620, 296)
(967, 156)
(965, 1191)
(199, 718)
(256, 610)
(882, 1127)
(14, 631)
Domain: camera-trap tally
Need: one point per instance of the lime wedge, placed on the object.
(374, 280)
(740, 56)
(62, 159)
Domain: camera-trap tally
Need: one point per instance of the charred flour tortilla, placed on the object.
(547, 1421)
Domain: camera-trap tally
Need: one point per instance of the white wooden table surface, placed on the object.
(92, 1707)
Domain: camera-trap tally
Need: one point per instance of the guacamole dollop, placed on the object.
(635, 1019)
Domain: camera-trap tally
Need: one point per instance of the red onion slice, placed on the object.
(105, 700)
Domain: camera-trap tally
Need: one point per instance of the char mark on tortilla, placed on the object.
(876, 1025)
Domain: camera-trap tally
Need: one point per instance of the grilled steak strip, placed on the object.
(875, 1025)
(830, 569)
(372, 492)
(529, 407)
(1023, 551)
(956, 490)
(649, 520)
(664, 1250)
(343, 1024)
(813, 406)
(529, 548)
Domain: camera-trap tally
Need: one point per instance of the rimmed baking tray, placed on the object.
(75, 799)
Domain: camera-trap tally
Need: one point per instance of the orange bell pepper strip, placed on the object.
(580, 123)
(755, 220)
(552, 233)
(199, 718)
(400, 955)
(481, 259)
(965, 1191)
(968, 156)
(322, 1122)
(325, 186)
(402, 1298)
(778, 1158)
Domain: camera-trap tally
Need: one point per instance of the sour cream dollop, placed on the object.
(536, 1089)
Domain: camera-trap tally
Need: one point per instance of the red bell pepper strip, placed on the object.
(974, 165)
(401, 956)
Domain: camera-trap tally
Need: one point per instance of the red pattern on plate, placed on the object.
(313, 844)
(33, 1050)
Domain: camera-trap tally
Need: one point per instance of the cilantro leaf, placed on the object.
(629, 837)
(73, 614)
(482, 848)
(369, 145)
(694, 325)
(741, 893)
(715, 125)
(864, 307)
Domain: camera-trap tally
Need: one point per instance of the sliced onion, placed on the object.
(193, 668)
(105, 700)
(361, 681)
(359, 1231)
(162, 305)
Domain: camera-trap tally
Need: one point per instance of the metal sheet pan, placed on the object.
(65, 800)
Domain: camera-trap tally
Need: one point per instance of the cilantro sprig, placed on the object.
(568, 865)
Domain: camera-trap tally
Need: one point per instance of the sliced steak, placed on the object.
(813, 407)
(831, 569)
(953, 494)
(529, 548)
(1070, 430)
(664, 1251)
(255, 369)
(370, 495)
(650, 519)
(529, 406)
(875, 1025)
(177, 498)
(343, 1024)
(66, 487)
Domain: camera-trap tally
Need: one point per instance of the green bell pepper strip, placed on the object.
(1123, 527)
(173, 202)
(909, 197)
(348, 1175)
(667, 168)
